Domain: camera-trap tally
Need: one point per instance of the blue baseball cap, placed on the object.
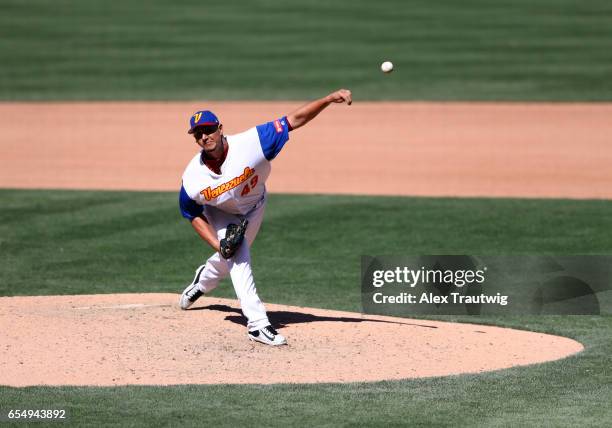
(200, 118)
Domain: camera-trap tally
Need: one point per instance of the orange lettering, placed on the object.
(210, 194)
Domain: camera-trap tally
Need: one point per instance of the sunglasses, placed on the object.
(205, 129)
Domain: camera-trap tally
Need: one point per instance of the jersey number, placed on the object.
(250, 185)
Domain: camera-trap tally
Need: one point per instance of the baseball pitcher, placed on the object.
(223, 195)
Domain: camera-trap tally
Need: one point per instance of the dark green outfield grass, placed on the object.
(443, 50)
(66, 242)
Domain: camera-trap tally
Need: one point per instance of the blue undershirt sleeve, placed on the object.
(273, 136)
(189, 208)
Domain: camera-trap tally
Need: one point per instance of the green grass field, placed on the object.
(443, 50)
(67, 242)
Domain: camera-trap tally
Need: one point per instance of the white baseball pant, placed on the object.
(238, 266)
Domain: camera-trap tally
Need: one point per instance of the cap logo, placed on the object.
(197, 117)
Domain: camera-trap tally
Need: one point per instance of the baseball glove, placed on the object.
(234, 234)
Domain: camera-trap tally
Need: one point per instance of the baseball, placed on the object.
(386, 67)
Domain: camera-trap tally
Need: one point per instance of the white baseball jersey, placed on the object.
(241, 184)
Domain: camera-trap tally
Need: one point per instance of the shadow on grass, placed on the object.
(281, 319)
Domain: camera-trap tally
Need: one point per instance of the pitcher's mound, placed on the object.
(146, 339)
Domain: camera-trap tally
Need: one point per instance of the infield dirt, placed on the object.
(424, 149)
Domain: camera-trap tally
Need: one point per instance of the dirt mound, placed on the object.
(145, 339)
